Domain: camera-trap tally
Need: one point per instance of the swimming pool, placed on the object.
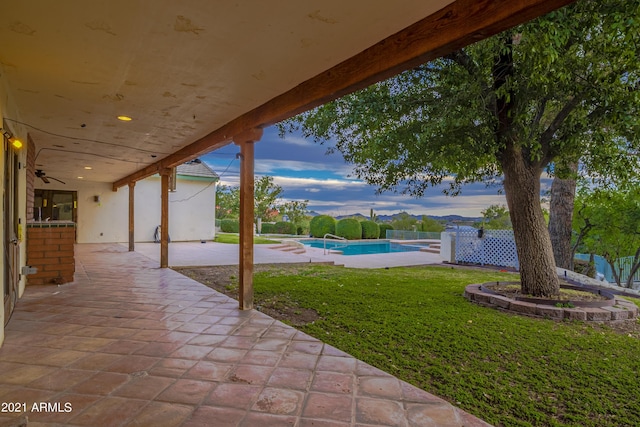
(360, 247)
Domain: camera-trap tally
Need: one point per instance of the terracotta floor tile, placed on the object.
(333, 382)
(186, 391)
(145, 387)
(279, 401)
(209, 371)
(336, 364)
(329, 407)
(95, 361)
(193, 352)
(251, 374)
(26, 374)
(238, 395)
(298, 379)
(128, 343)
(298, 360)
(132, 363)
(109, 412)
(102, 383)
(261, 357)
(380, 412)
(158, 349)
(123, 347)
(173, 368)
(162, 414)
(226, 355)
(209, 340)
(208, 416)
(60, 379)
(387, 387)
(267, 420)
(309, 422)
(63, 357)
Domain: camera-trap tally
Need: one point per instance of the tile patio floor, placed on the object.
(130, 344)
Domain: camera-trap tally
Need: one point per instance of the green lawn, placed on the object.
(508, 370)
(235, 238)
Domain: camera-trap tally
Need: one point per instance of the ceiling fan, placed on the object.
(40, 174)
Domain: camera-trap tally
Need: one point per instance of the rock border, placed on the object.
(620, 311)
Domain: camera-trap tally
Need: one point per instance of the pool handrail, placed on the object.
(324, 239)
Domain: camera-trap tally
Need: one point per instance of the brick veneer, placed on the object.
(50, 249)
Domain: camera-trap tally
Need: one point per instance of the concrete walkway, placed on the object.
(131, 344)
(190, 254)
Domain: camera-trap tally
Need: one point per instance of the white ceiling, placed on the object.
(180, 69)
(184, 69)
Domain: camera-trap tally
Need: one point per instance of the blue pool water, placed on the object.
(362, 248)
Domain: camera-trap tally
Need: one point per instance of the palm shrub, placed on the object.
(321, 225)
(370, 230)
(349, 228)
(229, 226)
(383, 230)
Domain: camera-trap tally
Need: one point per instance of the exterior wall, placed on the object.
(7, 110)
(191, 210)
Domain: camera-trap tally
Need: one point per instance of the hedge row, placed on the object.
(349, 228)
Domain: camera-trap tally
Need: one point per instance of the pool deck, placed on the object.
(191, 254)
(131, 344)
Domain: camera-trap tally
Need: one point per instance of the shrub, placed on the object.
(370, 230)
(383, 230)
(349, 228)
(321, 225)
(283, 227)
(268, 228)
(230, 226)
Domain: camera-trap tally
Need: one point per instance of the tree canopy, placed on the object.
(607, 223)
(556, 90)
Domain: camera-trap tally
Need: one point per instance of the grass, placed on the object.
(508, 370)
(235, 238)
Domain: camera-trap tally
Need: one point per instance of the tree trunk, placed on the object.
(563, 193)
(522, 189)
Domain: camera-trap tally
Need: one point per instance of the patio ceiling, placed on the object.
(193, 74)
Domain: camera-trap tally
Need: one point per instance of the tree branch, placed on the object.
(547, 135)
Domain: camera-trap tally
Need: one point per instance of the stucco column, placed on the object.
(164, 218)
(131, 216)
(246, 142)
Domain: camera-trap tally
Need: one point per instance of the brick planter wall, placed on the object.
(50, 249)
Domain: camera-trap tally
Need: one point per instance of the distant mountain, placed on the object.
(389, 218)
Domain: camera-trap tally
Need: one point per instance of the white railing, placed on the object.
(324, 239)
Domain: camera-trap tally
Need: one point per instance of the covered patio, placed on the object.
(129, 343)
(107, 95)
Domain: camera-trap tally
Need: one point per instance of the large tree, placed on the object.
(607, 223)
(562, 87)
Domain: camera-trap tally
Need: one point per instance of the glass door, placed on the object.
(10, 218)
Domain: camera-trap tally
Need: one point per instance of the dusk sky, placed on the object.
(305, 172)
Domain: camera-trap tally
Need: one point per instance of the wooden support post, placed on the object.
(246, 142)
(164, 219)
(131, 216)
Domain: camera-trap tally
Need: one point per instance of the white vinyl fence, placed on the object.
(494, 247)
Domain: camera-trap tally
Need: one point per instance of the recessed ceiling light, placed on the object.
(88, 168)
(125, 118)
(80, 177)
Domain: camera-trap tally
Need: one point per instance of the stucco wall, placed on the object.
(191, 210)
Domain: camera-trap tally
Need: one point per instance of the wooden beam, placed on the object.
(459, 24)
(131, 216)
(246, 141)
(164, 218)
